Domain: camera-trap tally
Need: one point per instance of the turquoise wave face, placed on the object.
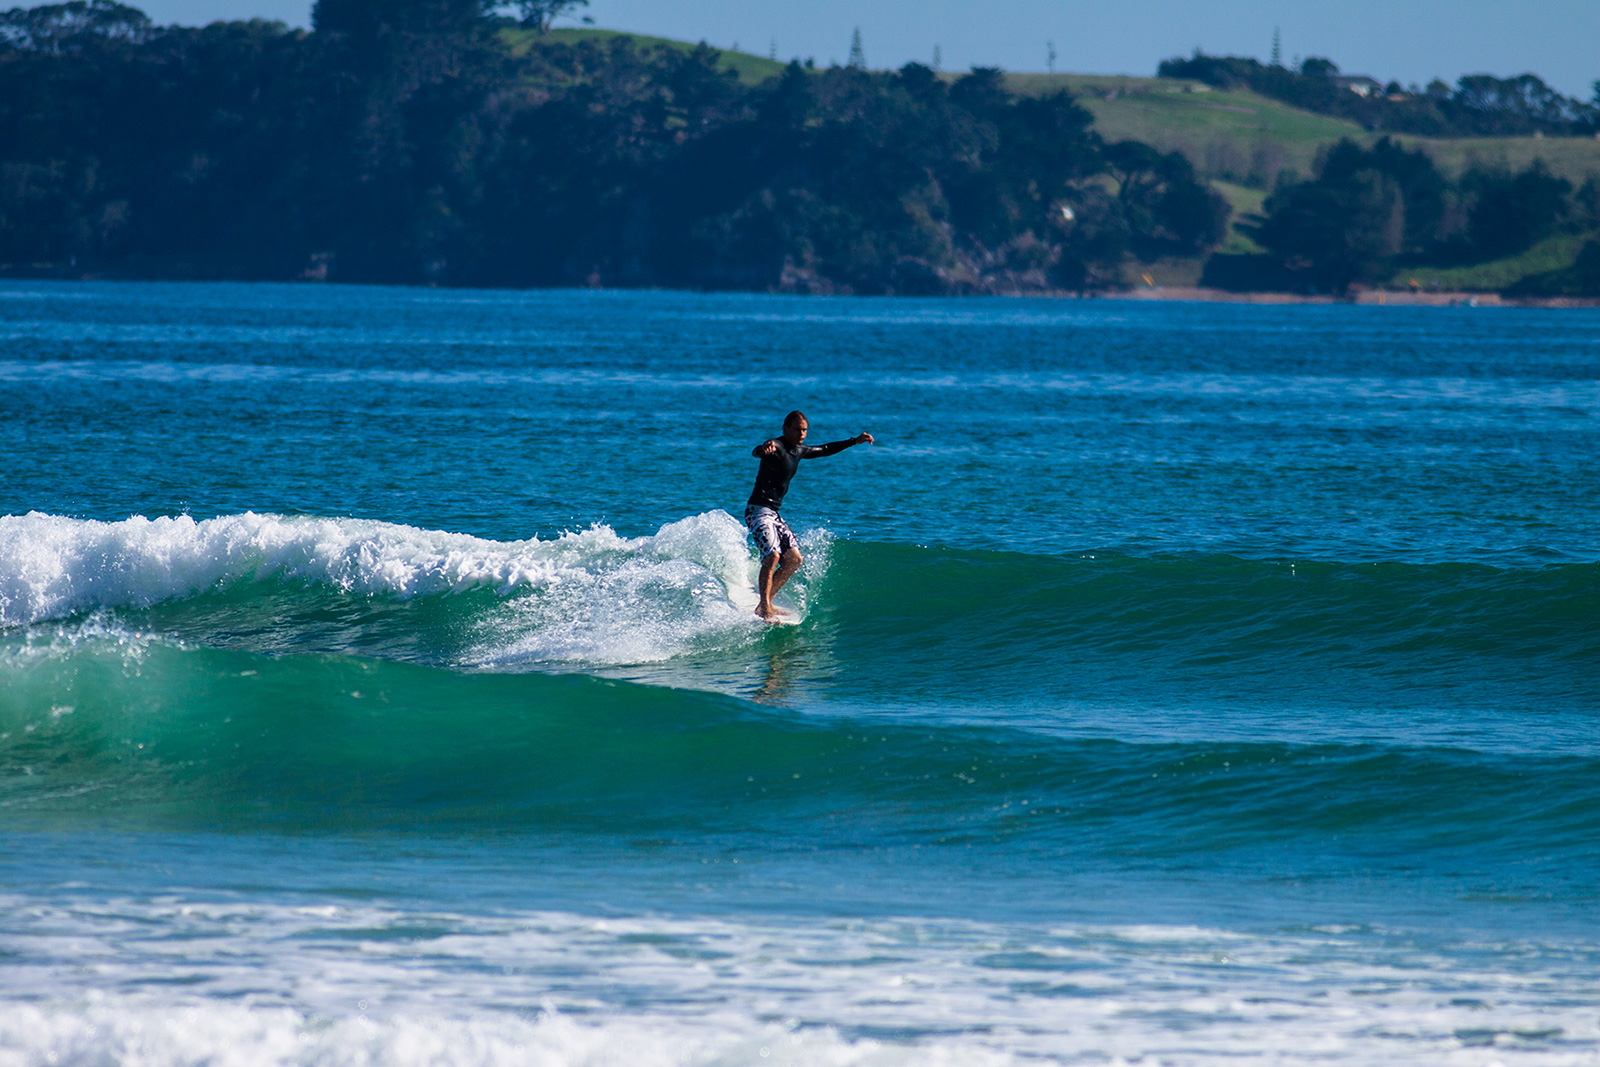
(122, 732)
(1182, 531)
(1432, 643)
(1498, 657)
(256, 672)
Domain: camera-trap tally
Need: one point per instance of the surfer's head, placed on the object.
(795, 427)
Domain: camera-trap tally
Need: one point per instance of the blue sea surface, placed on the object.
(1172, 683)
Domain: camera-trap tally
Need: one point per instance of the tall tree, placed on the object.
(1422, 187)
(1347, 226)
(539, 14)
(1512, 212)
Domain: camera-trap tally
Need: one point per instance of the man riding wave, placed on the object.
(780, 550)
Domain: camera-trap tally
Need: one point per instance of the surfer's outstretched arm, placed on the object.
(770, 445)
(834, 447)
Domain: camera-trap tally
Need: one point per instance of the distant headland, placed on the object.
(429, 142)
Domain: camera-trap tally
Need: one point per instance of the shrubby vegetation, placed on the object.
(1480, 105)
(1370, 211)
(406, 141)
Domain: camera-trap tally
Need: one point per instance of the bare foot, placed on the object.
(770, 613)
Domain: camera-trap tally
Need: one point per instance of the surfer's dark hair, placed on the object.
(794, 417)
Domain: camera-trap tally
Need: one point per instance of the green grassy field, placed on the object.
(1573, 158)
(1554, 253)
(1239, 135)
(1246, 202)
(1233, 135)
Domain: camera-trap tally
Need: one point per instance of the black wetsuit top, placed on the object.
(772, 480)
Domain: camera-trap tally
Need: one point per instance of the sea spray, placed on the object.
(586, 596)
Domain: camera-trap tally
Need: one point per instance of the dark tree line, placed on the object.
(408, 141)
(1480, 105)
(1370, 210)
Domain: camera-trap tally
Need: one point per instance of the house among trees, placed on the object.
(1359, 84)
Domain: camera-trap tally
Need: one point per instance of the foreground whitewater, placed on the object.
(379, 683)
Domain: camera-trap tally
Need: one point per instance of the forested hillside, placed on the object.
(1323, 204)
(418, 141)
(438, 142)
(1385, 214)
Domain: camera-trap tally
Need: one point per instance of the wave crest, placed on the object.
(591, 594)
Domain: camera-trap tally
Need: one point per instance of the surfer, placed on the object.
(780, 551)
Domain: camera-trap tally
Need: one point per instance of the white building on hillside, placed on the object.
(1359, 84)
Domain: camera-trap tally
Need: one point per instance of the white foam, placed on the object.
(182, 981)
(232, 1036)
(586, 596)
(656, 598)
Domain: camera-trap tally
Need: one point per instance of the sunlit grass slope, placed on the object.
(1552, 254)
(1241, 134)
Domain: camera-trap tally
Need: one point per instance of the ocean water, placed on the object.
(1173, 684)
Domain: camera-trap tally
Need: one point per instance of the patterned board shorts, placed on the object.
(772, 534)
